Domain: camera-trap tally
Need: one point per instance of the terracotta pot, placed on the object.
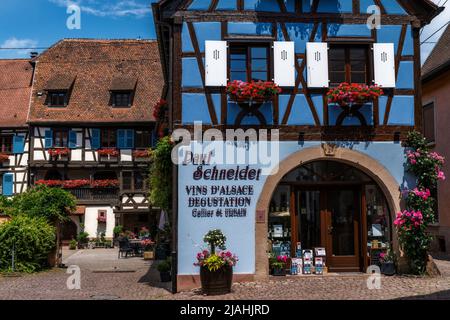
(216, 282)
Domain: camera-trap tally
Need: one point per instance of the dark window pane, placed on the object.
(357, 53)
(60, 138)
(337, 77)
(428, 122)
(126, 180)
(259, 65)
(143, 139)
(358, 77)
(6, 144)
(57, 99)
(238, 65)
(259, 53)
(238, 76)
(337, 53)
(121, 99)
(108, 138)
(337, 65)
(358, 65)
(138, 181)
(259, 76)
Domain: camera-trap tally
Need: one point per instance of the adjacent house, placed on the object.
(334, 179)
(435, 101)
(91, 126)
(16, 77)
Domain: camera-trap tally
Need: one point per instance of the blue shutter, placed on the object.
(8, 184)
(130, 139)
(48, 139)
(95, 139)
(18, 144)
(153, 139)
(72, 139)
(121, 139)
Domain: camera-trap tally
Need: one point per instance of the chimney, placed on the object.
(33, 54)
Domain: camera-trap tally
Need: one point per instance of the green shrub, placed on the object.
(33, 239)
(118, 230)
(164, 266)
(73, 244)
(83, 237)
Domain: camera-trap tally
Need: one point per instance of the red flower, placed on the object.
(259, 90)
(141, 153)
(109, 183)
(346, 94)
(58, 152)
(108, 152)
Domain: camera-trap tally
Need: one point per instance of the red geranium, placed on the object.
(255, 90)
(59, 152)
(72, 184)
(108, 152)
(108, 183)
(160, 109)
(4, 157)
(50, 183)
(347, 94)
(141, 153)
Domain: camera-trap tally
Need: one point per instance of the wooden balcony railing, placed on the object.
(95, 194)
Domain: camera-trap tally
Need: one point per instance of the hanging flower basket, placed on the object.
(351, 95)
(252, 92)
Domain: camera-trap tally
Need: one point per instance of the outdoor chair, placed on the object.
(125, 248)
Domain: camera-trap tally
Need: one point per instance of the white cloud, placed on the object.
(11, 44)
(107, 8)
(428, 31)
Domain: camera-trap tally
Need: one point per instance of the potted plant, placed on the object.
(83, 239)
(254, 91)
(164, 269)
(108, 154)
(149, 249)
(216, 269)
(387, 263)
(73, 244)
(278, 266)
(353, 95)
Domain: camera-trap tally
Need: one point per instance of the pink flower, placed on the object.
(441, 175)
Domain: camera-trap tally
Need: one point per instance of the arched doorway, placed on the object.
(69, 231)
(383, 178)
(331, 205)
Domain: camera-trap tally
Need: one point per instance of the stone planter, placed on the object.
(218, 282)
(388, 268)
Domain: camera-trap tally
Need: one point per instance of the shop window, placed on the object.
(249, 63)
(127, 180)
(108, 138)
(143, 139)
(349, 64)
(280, 222)
(429, 122)
(57, 98)
(60, 138)
(6, 144)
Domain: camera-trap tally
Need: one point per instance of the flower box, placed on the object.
(216, 282)
(256, 92)
(108, 154)
(59, 154)
(108, 183)
(142, 155)
(354, 94)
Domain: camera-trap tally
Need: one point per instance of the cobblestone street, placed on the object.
(103, 276)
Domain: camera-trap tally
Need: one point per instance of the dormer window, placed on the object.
(122, 91)
(57, 98)
(58, 90)
(121, 99)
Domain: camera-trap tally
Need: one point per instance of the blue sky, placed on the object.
(41, 23)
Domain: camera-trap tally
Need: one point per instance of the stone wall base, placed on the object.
(189, 282)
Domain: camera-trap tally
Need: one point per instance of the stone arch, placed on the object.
(359, 160)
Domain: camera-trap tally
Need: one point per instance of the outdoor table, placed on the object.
(135, 244)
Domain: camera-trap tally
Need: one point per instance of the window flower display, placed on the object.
(59, 152)
(259, 91)
(142, 154)
(350, 94)
(108, 183)
(111, 152)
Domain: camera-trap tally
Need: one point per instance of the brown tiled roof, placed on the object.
(439, 58)
(15, 89)
(123, 83)
(60, 82)
(95, 64)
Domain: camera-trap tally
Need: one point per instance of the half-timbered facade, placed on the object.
(91, 126)
(339, 169)
(15, 88)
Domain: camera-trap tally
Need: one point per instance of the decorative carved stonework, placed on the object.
(329, 149)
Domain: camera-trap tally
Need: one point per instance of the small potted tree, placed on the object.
(216, 269)
(164, 269)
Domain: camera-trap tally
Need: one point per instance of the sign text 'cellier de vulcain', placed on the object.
(229, 198)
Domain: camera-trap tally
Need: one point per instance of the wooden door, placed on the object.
(340, 234)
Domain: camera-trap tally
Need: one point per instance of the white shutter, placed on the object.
(317, 64)
(284, 63)
(384, 64)
(216, 63)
